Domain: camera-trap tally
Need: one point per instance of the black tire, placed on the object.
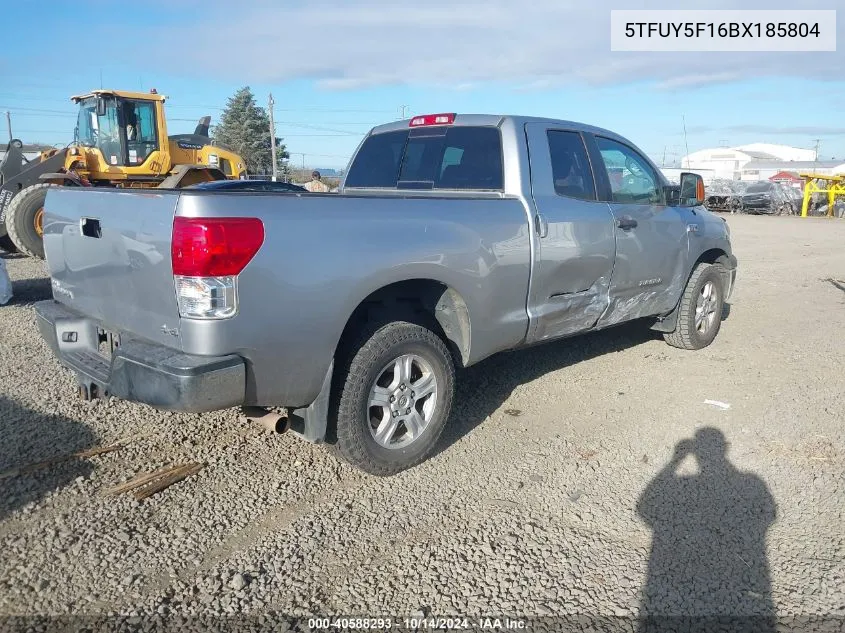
(7, 244)
(21, 219)
(687, 335)
(364, 363)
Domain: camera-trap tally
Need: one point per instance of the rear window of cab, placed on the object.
(437, 157)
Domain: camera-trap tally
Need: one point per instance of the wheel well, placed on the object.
(714, 256)
(711, 257)
(428, 302)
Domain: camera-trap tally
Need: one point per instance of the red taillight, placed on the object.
(214, 247)
(432, 119)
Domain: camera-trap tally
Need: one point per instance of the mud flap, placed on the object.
(311, 422)
(666, 323)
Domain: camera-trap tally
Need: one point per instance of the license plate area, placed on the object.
(107, 342)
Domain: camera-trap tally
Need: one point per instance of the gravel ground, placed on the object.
(566, 483)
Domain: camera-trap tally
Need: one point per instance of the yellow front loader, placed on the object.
(120, 140)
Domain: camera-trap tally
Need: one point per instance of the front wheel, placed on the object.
(394, 399)
(700, 309)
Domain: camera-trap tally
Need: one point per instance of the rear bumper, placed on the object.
(141, 371)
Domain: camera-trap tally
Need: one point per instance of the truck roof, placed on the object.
(498, 119)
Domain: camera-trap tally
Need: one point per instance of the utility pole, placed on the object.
(9, 124)
(272, 138)
(402, 109)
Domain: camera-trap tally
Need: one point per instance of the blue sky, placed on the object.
(336, 69)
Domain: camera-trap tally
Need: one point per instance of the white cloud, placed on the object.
(531, 45)
(694, 80)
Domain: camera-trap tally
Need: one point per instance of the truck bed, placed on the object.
(321, 254)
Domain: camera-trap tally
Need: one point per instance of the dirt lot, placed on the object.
(555, 490)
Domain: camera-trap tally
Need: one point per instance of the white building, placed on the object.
(764, 169)
(673, 174)
(781, 152)
(729, 162)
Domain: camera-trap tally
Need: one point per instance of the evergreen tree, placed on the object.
(245, 129)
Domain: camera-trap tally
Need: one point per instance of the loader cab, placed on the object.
(125, 128)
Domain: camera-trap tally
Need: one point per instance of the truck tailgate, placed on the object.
(108, 252)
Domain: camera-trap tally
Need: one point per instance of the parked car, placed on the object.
(771, 198)
(452, 238)
(795, 199)
(724, 195)
(248, 185)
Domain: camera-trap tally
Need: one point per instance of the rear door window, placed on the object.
(570, 166)
(465, 158)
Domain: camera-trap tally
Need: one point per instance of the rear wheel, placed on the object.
(25, 220)
(396, 394)
(700, 310)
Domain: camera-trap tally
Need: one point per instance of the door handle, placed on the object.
(626, 223)
(541, 224)
(91, 227)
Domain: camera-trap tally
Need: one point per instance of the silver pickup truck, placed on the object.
(452, 238)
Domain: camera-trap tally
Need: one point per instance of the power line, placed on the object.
(319, 127)
(43, 111)
(170, 104)
(40, 110)
(303, 109)
(68, 132)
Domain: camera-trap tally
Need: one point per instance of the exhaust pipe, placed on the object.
(268, 420)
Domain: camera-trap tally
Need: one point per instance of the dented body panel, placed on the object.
(518, 265)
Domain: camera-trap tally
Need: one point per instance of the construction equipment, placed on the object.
(821, 183)
(120, 140)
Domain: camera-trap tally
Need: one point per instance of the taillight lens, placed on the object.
(207, 255)
(214, 247)
(207, 297)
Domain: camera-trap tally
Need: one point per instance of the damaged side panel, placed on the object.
(652, 262)
(576, 244)
(568, 313)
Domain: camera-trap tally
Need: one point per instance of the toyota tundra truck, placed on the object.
(452, 238)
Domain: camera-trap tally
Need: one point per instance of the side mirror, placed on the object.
(692, 190)
(101, 106)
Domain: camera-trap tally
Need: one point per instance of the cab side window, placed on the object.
(570, 166)
(632, 180)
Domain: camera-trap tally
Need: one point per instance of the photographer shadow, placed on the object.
(31, 437)
(708, 569)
